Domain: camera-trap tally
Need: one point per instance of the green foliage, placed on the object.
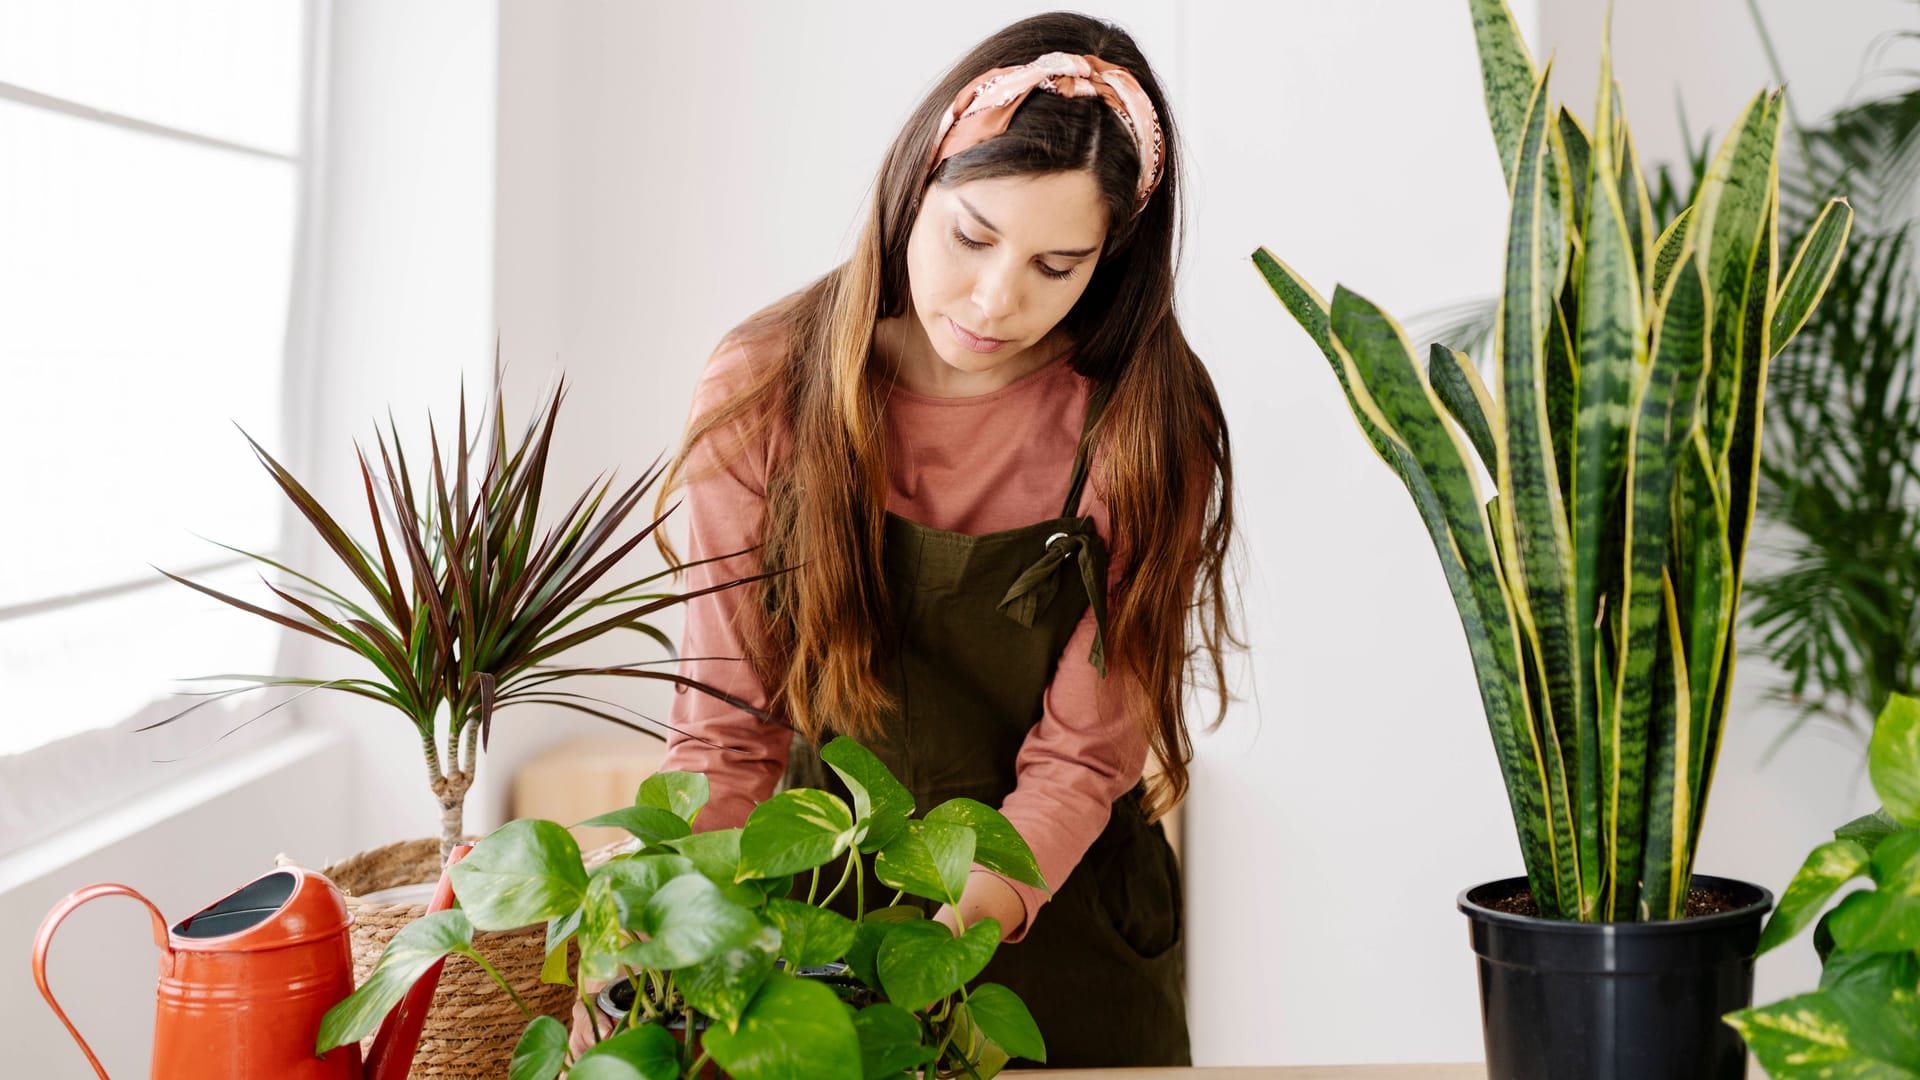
(1621, 426)
(1865, 1018)
(701, 928)
(471, 591)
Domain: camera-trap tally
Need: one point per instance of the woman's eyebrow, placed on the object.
(1073, 253)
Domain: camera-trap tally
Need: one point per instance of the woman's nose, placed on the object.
(995, 294)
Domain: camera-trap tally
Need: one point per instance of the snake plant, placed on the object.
(1598, 585)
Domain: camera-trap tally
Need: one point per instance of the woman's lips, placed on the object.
(974, 341)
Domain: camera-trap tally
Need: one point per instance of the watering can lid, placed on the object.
(288, 906)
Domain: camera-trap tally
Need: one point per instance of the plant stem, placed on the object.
(504, 984)
(852, 856)
(815, 887)
(859, 888)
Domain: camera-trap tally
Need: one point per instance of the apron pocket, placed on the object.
(1139, 886)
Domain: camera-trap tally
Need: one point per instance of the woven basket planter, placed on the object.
(472, 1025)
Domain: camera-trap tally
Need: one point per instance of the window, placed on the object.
(150, 172)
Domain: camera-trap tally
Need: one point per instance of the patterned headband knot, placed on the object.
(986, 107)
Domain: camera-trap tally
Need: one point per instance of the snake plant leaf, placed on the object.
(1636, 205)
(1458, 386)
(1612, 353)
(1310, 311)
(1734, 203)
(1703, 561)
(1579, 151)
(1562, 399)
(1666, 252)
(1506, 74)
(1664, 874)
(1533, 519)
(1663, 404)
(1810, 272)
(1893, 759)
(1434, 465)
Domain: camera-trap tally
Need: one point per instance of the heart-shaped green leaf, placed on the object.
(1828, 867)
(970, 1047)
(1875, 972)
(601, 934)
(867, 935)
(722, 987)
(793, 1030)
(418, 946)
(541, 1051)
(680, 793)
(717, 855)
(998, 845)
(524, 872)
(1877, 922)
(635, 880)
(1893, 759)
(648, 1052)
(1004, 1018)
(794, 831)
(1896, 863)
(559, 930)
(810, 936)
(880, 801)
(689, 921)
(1869, 830)
(889, 1041)
(650, 823)
(921, 962)
(929, 859)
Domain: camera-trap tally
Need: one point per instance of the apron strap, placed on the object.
(1034, 589)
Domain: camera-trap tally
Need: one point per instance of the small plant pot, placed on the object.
(617, 997)
(1614, 1001)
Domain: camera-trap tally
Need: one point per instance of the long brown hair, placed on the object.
(819, 627)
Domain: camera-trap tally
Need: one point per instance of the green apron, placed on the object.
(981, 621)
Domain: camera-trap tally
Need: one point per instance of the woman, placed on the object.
(997, 483)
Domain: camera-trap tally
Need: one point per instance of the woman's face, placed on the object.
(993, 266)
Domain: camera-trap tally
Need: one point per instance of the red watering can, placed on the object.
(244, 983)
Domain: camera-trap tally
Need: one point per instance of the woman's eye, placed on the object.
(1057, 275)
(969, 242)
(965, 240)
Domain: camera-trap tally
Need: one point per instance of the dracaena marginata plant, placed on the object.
(468, 601)
(1864, 1020)
(1597, 586)
(705, 924)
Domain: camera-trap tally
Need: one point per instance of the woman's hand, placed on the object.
(582, 1035)
(987, 895)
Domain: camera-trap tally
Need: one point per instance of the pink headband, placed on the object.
(984, 108)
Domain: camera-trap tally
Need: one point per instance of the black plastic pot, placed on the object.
(1614, 1001)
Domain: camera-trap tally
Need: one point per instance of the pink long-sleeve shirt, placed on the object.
(972, 465)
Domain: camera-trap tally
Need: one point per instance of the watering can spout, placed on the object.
(244, 983)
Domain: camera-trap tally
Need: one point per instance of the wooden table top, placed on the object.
(1472, 1071)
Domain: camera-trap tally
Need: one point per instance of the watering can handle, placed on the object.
(45, 938)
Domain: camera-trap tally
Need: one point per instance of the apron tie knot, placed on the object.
(1034, 589)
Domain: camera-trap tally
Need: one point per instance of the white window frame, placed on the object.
(54, 792)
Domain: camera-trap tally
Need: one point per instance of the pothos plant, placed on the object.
(1597, 586)
(1864, 1020)
(709, 932)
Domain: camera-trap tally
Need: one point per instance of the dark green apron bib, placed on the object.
(981, 621)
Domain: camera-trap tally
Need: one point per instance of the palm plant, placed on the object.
(1840, 613)
(1597, 586)
(468, 601)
